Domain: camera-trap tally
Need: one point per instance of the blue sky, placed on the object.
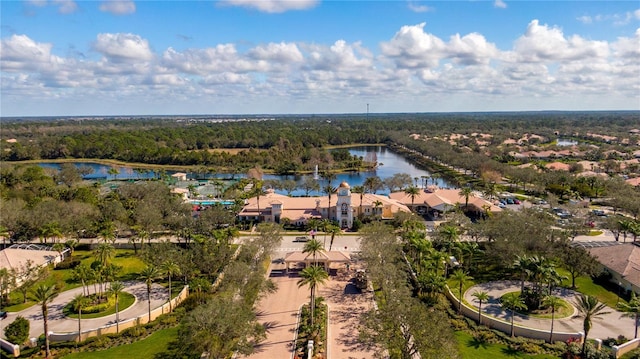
(64, 57)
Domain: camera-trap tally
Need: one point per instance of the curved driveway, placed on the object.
(59, 323)
(606, 326)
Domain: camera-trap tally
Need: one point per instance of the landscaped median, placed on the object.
(505, 327)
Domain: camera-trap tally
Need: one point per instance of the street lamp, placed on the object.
(619, 290)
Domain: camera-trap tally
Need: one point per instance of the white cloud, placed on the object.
(471, 49)
(283, 53)
(419, 8)
(123, 47)
(585, 19)
(411, 47)
(628, 47)
(544, 43)
(66, 6)
(499, 4)
(118, 7)
(272, 6)
(19, 52)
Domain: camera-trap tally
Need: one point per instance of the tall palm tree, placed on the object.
(361, 191)
(481, 296)
(460, 277)
(465, 192)
(257, 191)
(314, 247)
(632, 309)
(170, 268)
(312, 276)
(103, 253)
(412, 192)
(377, 204)
(148, 275)
(115, 289)
(333, 231)
(44, 294)
(78, 303)
(553, 302)
(329, 190)
(513, 302)
(523, 265)
(589, 308)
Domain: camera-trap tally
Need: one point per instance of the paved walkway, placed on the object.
(59, 323)
(607, 326)
(279, 310)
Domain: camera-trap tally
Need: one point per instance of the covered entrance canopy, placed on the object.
(324, 258)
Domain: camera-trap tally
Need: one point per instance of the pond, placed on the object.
(389, 164)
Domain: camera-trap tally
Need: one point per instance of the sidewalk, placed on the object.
(606, 326)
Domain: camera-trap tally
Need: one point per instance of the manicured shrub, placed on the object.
(18, 331)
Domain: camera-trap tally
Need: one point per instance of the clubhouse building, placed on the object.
(344, 206)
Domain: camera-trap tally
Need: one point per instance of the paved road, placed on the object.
(607, 326)
(278, 311)
(58, 322)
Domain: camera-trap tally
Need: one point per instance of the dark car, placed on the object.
(3, 315)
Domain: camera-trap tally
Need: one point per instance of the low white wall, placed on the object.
(505, 327)
(622, 349)
(111, 328)
(10, 347)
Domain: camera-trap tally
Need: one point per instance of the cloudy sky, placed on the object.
(65, 57)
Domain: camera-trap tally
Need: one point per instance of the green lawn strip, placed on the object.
(125, 300)
(469, 348)
(593, 233)
(455, 289)
(586, 286)
(147, 348)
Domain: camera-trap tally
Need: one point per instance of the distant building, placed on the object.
(622, 261)
(179, 176)
(438, 200)
(19, 258)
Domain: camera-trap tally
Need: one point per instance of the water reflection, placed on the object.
(389, 162)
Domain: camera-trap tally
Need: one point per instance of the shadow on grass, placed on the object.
(477, 344)
(511, 352)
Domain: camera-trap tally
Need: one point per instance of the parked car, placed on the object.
(510, 201)
(516, 201)
(599, 212)
(301, 239)
(3, 315)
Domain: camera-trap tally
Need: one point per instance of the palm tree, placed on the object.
(329, 190)
(513, 302)
(376, 205)
(333, 231)
(553, 302)
(314, 247)
(104, 253)
(632, 309)
(115, 289)
(78, 303)
(589, 308)
(257, 191)
(312, 276)
(170, 268)
(465, 192)
(44, 294)
(460, 277)
(361, 191)
(147, 275)
(412, 192)
(522, 264)
(481, 296)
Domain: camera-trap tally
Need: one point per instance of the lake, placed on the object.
(389, 162)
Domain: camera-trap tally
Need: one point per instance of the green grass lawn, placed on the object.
(144, 349)
(471, 349)
(585, 285)
(125, 300)
(125, 258)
